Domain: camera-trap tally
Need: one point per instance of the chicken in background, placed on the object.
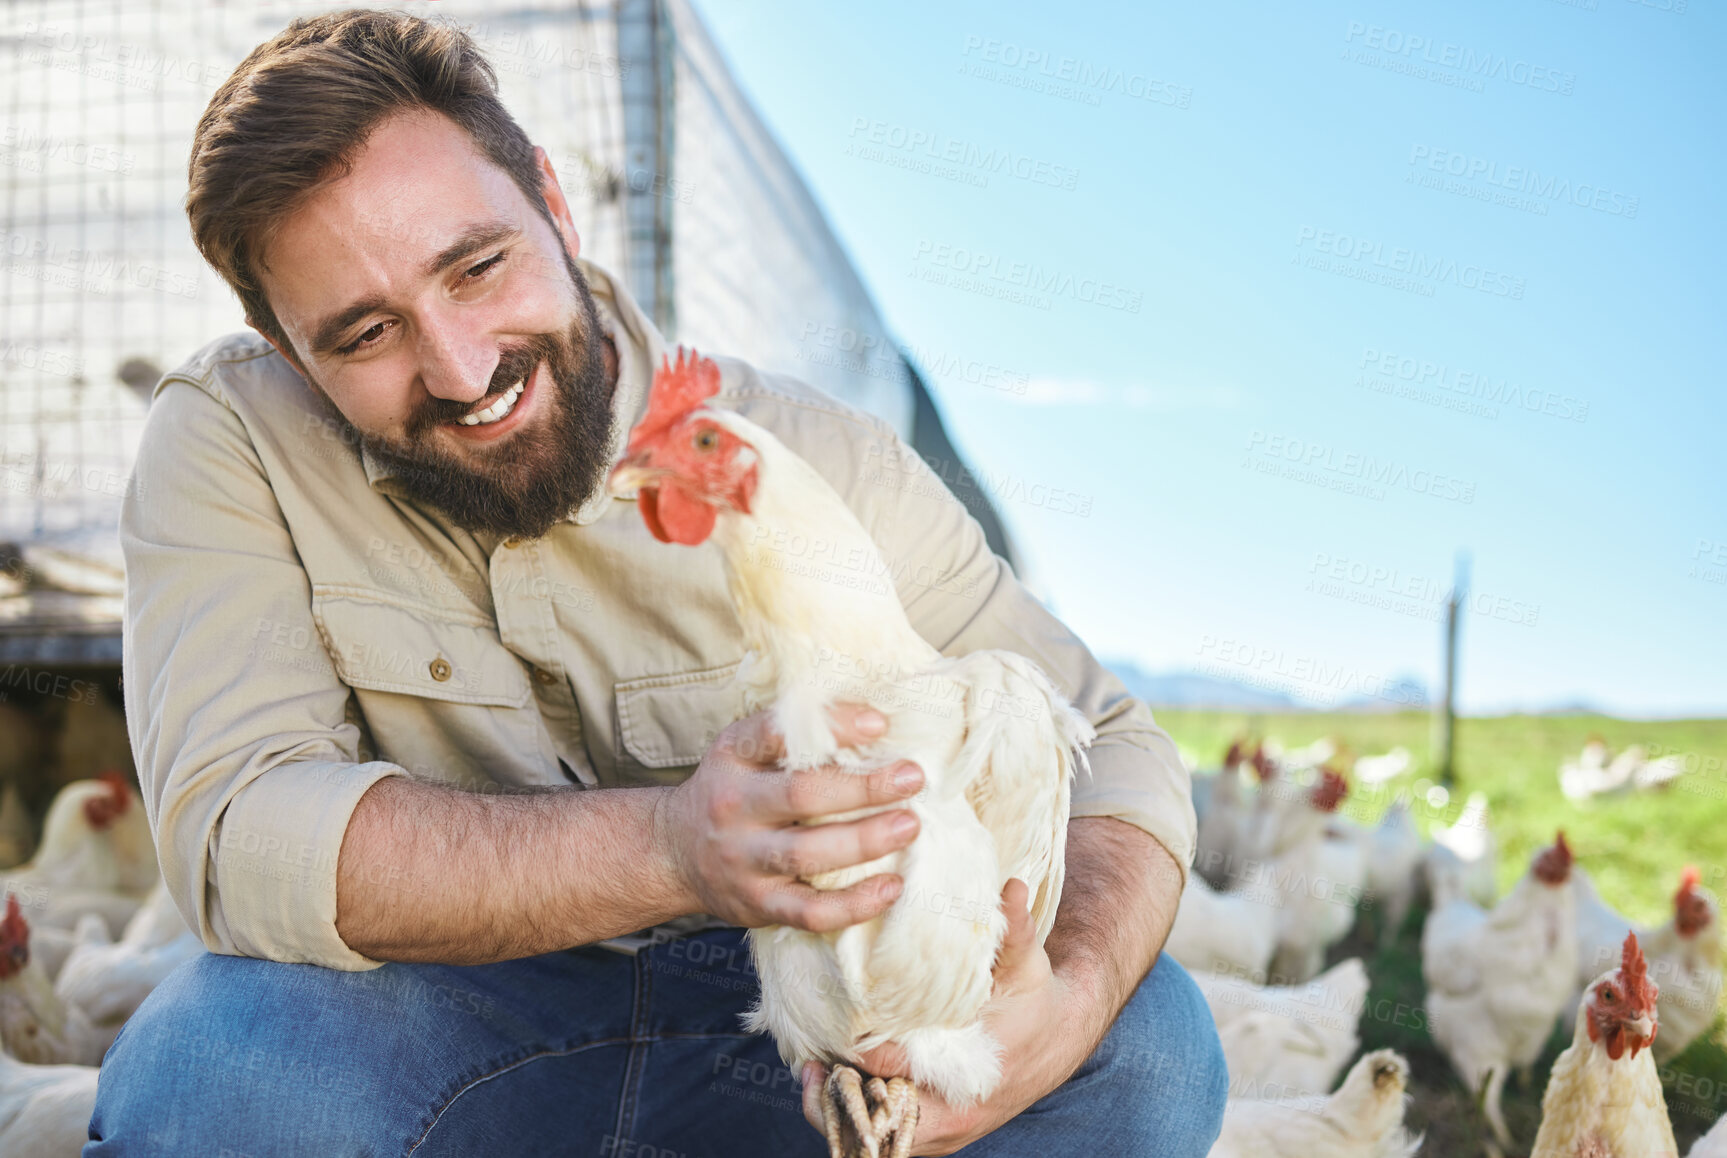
(1604, 1097)
(1497, 981)
(1363, 1119)
(1230, 933)
(1223, 827)
(1684, 956)
(1313, 885)
(997, 765)
(1713, 1144)
(1281, 1040)
(1373, 770)
(110, 980)
(35, 1025)
(1393, 852)
(96, 856)
(45, 1109)
(1466, 855)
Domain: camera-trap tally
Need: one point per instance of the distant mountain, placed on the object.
(1192, 690)
(1404, 693)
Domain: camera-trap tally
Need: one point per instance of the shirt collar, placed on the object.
(640, 348)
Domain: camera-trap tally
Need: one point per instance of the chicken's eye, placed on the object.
(707, 438)
(1609, 993)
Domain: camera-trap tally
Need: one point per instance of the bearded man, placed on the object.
(438, 742)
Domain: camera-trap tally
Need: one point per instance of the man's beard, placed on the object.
(529, 481)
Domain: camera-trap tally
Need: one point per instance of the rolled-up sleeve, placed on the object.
(249, 762)
(962, 598)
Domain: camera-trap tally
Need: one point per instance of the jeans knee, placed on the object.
(1164, 1050)
(223, 1058)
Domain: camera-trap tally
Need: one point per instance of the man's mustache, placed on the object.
(514, 364)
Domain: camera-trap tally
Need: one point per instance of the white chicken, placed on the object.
(1601, 1103)
(1314, 883)
(1684, 956)
(1223, 827)
(1232, 933)
(1711, 1145)
(1466, 854)
(1497, 981)
(109, 981)
(997, 742)
(1363, 1119)
(44, 1109)
(1593, 774)
(1389, 766)
(1287, 1040)
(96, 856)
(1393, 852)
(35, 1025)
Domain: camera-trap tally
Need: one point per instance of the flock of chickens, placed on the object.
(88, 931)
(1280, 878)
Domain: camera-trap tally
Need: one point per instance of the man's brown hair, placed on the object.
(295, 112)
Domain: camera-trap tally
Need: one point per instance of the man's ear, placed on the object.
(554, 195)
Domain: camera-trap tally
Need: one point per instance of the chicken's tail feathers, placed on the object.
(962, 1065)
(1024, 745)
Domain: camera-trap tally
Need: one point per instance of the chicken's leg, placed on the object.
(874, 1119)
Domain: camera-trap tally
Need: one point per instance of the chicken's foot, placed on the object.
(873, 1119)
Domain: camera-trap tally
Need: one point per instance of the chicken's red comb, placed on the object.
(1233, 756)
(1689, 878)
(1634, 975)
(678, 389)
(100, 811)
(1264, 766)
(1563, 849)
(1329, 791)
(13, 928)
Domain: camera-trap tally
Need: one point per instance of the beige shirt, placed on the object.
(296, 629)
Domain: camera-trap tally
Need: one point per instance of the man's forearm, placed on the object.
(429, 873)
(1117, 905)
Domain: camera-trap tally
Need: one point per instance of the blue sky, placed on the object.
(1271, 309)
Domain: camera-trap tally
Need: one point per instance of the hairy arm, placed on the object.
(430, 873)
(1117, 906)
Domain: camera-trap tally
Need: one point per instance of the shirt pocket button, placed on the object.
(440, 669)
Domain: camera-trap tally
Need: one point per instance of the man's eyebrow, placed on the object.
(473, 239)
(328, 333)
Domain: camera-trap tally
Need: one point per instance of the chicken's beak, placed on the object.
(631, 475)
(1641, 1028)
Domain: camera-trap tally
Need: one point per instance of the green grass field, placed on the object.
(1634, 846)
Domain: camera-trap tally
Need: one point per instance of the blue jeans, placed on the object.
(585, 1052)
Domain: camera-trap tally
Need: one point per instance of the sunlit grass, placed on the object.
(1635, 847)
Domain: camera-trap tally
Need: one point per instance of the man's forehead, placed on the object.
(414, 188)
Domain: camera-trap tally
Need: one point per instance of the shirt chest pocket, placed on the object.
(382, 646)
(669, 721)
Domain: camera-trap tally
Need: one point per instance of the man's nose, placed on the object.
(454, 365)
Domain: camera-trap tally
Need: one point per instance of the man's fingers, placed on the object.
(802, 907)
(855, 725)
(1019, 945)
(811, 792)
(805, 850)
(813, 1077)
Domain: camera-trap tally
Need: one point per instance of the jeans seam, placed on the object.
(635, 1065)
(517, 1064)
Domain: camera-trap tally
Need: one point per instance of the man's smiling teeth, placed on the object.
(496, 410)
